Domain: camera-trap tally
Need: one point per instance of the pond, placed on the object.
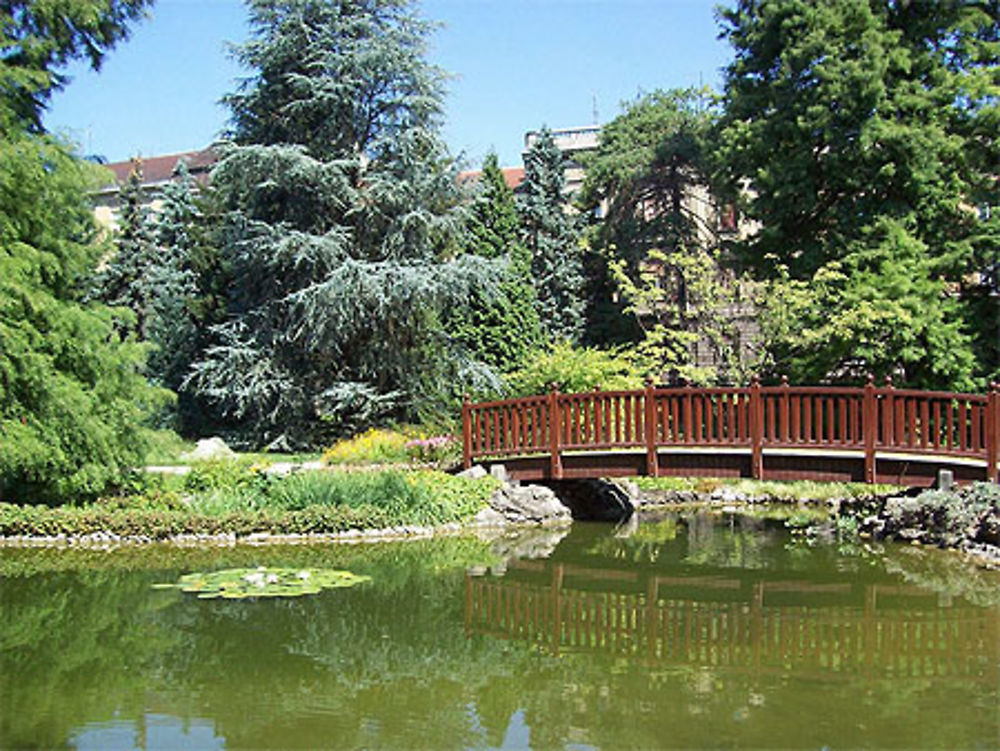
(685, 630)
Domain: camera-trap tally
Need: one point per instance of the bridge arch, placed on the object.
(824, 433)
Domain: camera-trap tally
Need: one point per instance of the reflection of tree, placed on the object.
(75, 646)
(390, 664)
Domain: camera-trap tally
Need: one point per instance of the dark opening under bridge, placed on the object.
(845, 434)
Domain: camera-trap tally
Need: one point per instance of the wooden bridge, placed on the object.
(844, 434)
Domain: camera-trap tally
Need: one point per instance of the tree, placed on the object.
(850, 122)
(343, 221)
(551, 234)
(72, 398)
(501, 330)
(650, 180)
(125, 281)
(37, 38)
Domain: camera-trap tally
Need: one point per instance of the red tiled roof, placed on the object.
(158, 169)
(513, 176)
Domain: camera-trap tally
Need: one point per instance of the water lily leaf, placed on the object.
(241, 583)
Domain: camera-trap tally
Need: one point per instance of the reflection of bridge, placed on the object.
(736, 622)
(782, 432)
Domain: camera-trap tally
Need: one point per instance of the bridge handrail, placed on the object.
(866, 419)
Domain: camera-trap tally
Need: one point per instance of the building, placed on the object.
(157, 172)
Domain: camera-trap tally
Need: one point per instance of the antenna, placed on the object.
(593, 102)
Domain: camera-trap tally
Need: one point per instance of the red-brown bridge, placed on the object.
(825, 433)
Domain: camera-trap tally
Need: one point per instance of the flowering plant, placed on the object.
(432, 449)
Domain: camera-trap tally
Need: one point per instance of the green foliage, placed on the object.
(878, 310)
(38, 37)
(343, 213)
(651, 178)
(551, 234)
(243, 583)
(857, 131)
(301, 503)
(767, 491)
(72, 398)
(573, 369)
(498, 331)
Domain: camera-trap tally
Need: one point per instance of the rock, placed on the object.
(499, 471)
(489, 517)
(474, 472)
(534, 504)
(208, 449)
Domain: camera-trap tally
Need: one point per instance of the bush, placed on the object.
(375, 446)
(574, 369)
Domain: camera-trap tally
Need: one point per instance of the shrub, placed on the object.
(574, 369)
(375, 446)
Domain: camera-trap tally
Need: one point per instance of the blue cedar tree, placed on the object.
(343, 218)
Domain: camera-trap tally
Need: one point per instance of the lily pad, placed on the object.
(239, 583)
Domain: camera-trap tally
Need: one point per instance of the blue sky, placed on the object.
(518, 64)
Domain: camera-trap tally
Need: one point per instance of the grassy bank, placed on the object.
(238, 497)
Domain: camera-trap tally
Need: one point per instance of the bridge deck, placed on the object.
(779, 433)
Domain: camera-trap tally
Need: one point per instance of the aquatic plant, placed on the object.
(240, 583)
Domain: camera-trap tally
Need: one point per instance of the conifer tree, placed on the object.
(851, 122)
(171, 326)
(72, 399)
(126, 281)
(551, 235)
(342, 215)
(498, 331)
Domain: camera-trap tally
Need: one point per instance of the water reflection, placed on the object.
(688, 631)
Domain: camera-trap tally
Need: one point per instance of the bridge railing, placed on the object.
(869, 419)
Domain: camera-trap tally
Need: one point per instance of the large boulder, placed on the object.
(529, 504)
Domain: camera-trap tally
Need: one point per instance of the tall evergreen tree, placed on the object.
(551, 233)
(126, 279)
(851, 122)
(342, 215)
(72, 399)
(500, 330)
(172, 327)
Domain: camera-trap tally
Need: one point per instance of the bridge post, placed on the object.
(650, 429)
(466, 433)
(756, 431)
(992, 425)
(555, 457)
(869, 424)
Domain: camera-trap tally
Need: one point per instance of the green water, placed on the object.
(688, 631)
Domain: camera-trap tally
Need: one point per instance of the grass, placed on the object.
(237, 497)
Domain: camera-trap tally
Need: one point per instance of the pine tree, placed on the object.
(343, 211)
(551, 235)
(172, 327)
(502, 330)
(851, 122)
